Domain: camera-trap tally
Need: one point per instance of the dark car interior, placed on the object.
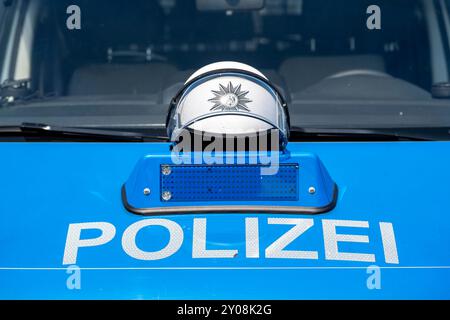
(151, 47)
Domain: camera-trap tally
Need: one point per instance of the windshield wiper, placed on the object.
(41, 131)
(45, 131)
(385, 134)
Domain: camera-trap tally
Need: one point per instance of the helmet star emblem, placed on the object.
(230, 98)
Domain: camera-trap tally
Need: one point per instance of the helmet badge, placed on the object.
(230, 98)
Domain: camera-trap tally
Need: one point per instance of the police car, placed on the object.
(245, 149)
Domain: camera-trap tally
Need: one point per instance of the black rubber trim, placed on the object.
(160, 211)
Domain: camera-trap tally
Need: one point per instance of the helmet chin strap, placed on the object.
(211, 115)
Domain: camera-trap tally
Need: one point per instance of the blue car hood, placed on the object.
(388, 236)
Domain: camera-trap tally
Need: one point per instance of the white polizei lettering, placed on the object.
(389, 243)
(175, 239)
(251, 238)
(280, 248)
(332, 238)
(74, 242)
(276, 249)
(199, 243)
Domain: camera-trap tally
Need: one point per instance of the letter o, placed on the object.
(175, 239)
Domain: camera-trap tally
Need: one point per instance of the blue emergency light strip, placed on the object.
(302, 185)
(229, 183)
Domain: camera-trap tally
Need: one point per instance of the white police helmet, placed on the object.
(228, 98)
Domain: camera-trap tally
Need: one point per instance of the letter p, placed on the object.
(73, 241)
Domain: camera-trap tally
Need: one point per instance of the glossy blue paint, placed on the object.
(45, 187)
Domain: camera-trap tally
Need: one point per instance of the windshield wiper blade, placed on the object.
(385, 134)
(68, 133)
(41, 131)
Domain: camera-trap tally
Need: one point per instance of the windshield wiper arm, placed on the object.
(68, 133)
(385, 134)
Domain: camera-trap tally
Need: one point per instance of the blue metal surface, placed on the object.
(190, 183)
(47, 187)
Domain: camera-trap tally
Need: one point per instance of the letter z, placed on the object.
(276, 249)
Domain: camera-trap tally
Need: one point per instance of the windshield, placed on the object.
(119, 63)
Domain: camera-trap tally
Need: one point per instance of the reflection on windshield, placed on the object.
(309, 49)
